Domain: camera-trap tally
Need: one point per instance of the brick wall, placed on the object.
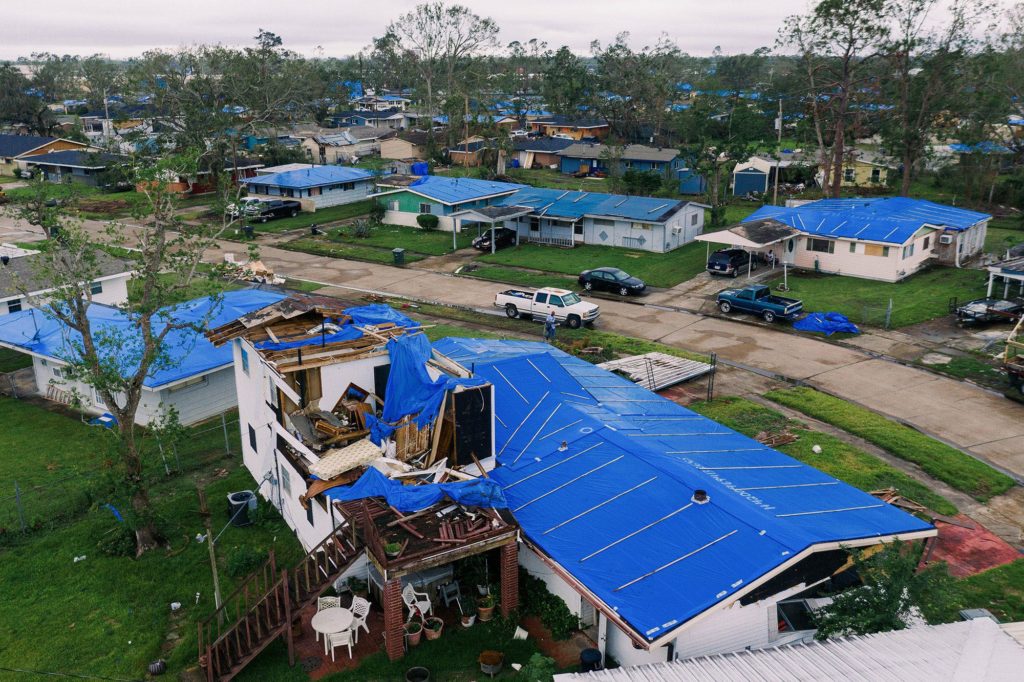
(509, 577)
(394, 627)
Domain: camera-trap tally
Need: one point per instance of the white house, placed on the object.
(886, 238)
(314, 187)
(19, 272)
(663, 531)
(198, 380)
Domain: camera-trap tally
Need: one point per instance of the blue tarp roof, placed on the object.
(459, 190)
(600, 472)
(188, 351)
(312, 177)
(890, 220)
(980, 148)
(361, 316)
(575, 204)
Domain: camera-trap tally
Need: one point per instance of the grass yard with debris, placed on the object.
(938, 460)
(837, 458)
(657, 269)
(322, 247)
(921, 297)
(322, 217)
(427, 242)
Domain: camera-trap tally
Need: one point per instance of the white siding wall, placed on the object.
(115, 292)
(445, 224)
(337, 197)
(842, 262)
(215, 394)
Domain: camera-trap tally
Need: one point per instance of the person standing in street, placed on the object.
(549, 327)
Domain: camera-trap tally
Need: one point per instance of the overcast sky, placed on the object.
(343, 27)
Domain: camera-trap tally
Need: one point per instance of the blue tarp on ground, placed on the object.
(482, 492)
(600, 473)
(826, 323)
(188, 353)
(410, 390)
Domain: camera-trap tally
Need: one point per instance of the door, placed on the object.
(540, 304)
(588, 619)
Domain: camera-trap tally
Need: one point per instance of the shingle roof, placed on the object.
(23, 272)
(72, 157)
(890, 220)
(575, 204)
(15, 145)
(312, 177)
(568, 121)
(631, 152)
(541, 144)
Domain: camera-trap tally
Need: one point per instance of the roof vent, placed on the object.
(700, 497)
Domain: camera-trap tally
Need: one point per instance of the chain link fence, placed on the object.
(875, 315)
(36, 503)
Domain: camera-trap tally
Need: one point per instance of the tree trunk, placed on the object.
(838, 142)
(146, 536)
(908, 163)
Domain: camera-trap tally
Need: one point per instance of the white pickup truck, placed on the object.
(567, 306)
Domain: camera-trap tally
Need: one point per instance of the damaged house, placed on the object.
(664, 532)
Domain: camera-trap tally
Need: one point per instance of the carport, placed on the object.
(1011, 270)
(754, 236)
(492, 215)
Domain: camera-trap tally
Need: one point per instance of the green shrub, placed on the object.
(551, 610)
(361, 229)
(244, 560)
(119, 541)
(539, 668)
(427, 221)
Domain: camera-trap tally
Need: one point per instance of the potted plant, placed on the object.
(413, 632)
(485, 607)
(359, 587)
(433, 627)
(392, 549)
(467, 607)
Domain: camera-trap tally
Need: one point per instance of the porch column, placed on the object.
(509, 578)
(991, 281)
(394, 628)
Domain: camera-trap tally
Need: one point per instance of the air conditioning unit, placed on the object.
(946, 239)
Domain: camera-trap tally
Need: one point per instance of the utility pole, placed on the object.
(106, 118)
(778, 126)
(204, 511)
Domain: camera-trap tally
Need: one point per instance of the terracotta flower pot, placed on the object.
(430, 632)
(414, 637)
(485, 613)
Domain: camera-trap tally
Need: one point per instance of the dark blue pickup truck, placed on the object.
(758, 299)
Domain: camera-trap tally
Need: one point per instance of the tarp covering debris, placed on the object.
(378, 313)
(344, 332)
(187, 352)
(826, 323)
(600, 474)
(410, 390)
(481, 492)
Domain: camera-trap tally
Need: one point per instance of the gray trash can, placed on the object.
(399, 255)
(239, 506)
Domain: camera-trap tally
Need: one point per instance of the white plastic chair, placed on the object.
(326, 603)
(360, 612)
(413, 601)
(343, 638)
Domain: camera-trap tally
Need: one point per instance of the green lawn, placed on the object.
(938, 460)
(921, 297)
(11, 360)
(321, 247)
(1000, 590)
(657, 269)
(323, 216)
(1002, 234)
(837, 458)
(429, 242)
(519, 277)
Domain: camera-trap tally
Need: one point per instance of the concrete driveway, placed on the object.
(987, 425)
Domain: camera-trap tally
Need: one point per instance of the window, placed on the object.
(252, 437)
(876, 175)
(392, 205)
(555, 301)
(426, 208)
(58, 372)
(571, 299)
(97, 399)
(927, 243)
(542, 298)
(245, 361)
(348, 186)
(876, 250)
(693, 218)
(14, 306)
(656, 167)
(908, 250)
(534, 224)
(641, 226)
(309, 513)
(848, 174)
(189, 383)
(286, 481)
(577, 228)
(821, 245)
(853, 247)
(96, 288)
(603, 222)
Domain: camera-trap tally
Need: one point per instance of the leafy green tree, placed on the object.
(567, 86)
(102, 79)
(18, 106)
(892, 588)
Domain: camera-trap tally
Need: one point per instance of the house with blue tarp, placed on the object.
(589, 159)
(314, 186)
(887, 238)
(662, 530)
(544, 216)
(196, 379)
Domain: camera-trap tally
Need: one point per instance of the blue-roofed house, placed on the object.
(887, 238)
(315, 186)
(405, 198)
(198, 381)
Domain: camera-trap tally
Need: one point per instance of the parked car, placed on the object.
(758, 299)
(503, 236)
(984, 310)
(275, 208)
(562, 136)
(613, 280)
(567, 306)
(730, 262)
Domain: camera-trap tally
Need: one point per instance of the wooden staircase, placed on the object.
(267, 603)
